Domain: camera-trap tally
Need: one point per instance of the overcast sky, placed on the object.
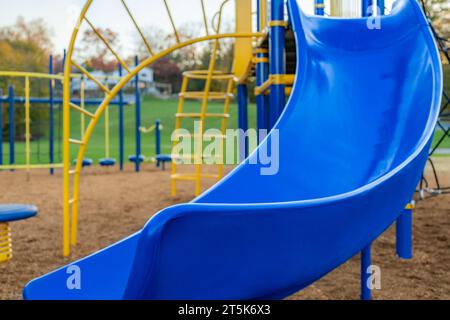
(59, 15)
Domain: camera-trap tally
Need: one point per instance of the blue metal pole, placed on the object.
(11, 110)
(1, 126)
(404, 226)
(277, 67)
(381, 6)
(262, 74)
(121, 124)
(158, 140)
(319, 7)
(366, 4)
(51, 116)
(366, 292)
(138, 119)
(243, 119)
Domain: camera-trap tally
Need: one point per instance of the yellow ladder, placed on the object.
(205, 96)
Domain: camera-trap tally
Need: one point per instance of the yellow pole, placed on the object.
(184, 87)
(27, 122)
(82, 106)
(107, 150)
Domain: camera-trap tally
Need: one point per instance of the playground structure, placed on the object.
(51, 103)
(425, 186)
(364, 191)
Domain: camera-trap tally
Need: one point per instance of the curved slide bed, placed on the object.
(353, 141)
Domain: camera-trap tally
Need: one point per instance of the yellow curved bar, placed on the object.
(66, 137)
(71, 236)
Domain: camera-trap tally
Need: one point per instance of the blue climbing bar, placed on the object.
(277, 60)
(121, 124)
(138, 118)
(242, 93)
(404, 227)
(11, 114)
(366, 261)
(51, 134)
(319, 7)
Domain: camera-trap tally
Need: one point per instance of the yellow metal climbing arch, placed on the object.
(71, 176)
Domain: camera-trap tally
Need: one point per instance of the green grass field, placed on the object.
(152, 109)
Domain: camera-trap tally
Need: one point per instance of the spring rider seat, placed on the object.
(10, 213)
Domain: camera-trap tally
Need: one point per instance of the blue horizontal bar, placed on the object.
(60, 101)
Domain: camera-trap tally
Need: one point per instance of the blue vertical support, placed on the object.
(366, 292)
(366, 4)
(51, 135)
(242, 93)
(11, 111)
(381, 7)
(158, 140)
(404, 227)
(319, 7)
(262, 75)
(138, 119)
(277, 66)
(121, 124)
(1, 126)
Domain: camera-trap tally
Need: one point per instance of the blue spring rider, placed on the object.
(10, 213)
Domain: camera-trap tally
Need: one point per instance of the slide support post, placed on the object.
(366, 4)
(277, 66)
(404, 227)
(366, 292)
(243, 119)
(319, 7)
(262, 71)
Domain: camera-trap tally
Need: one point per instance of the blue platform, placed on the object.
(85, 163)
(134, 159)
(107, 162)
(15, 212)
(353, 141)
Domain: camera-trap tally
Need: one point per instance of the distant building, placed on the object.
(146, 83)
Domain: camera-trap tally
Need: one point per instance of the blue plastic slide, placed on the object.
(353, 141)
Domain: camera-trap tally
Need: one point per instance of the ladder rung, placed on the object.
(75, 141)
(81, 110)
(199, 115)
(72, 172)
(72, 201)
(201, 95)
